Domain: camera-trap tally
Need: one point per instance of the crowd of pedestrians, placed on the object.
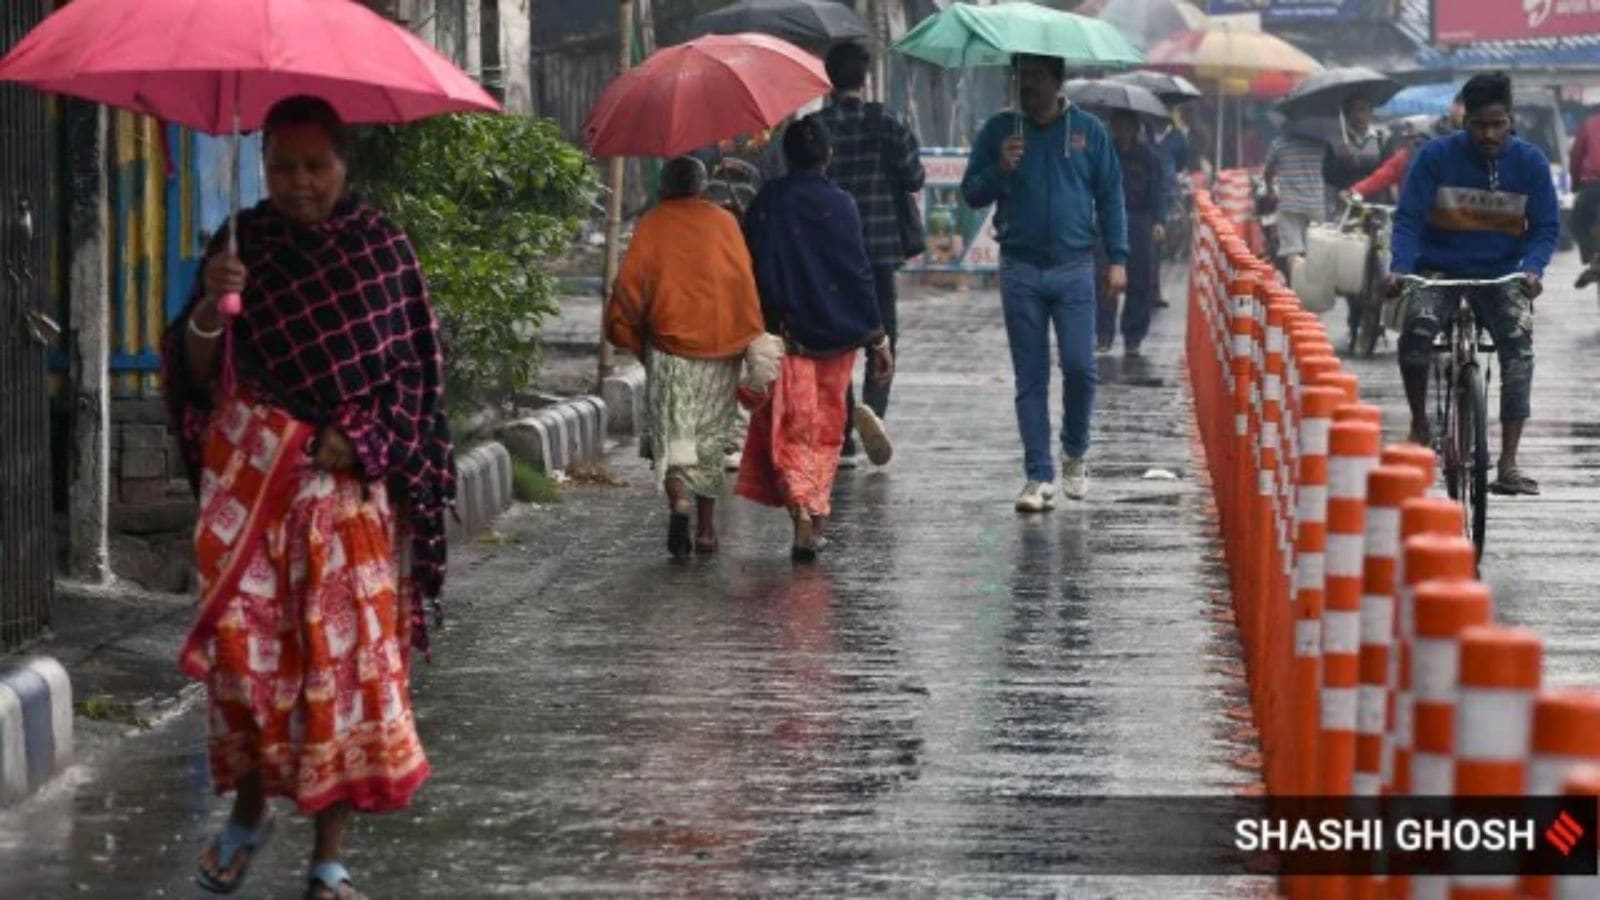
(319, 447)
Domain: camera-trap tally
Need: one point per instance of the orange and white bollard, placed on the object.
(1431, 548)
(1444, 611)
(1388, 487)
(1500, 673)
(1566, 738)
(1585, 783)
(1310, 579)
(1353, 456)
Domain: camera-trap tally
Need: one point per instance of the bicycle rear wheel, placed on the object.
(1472, 434)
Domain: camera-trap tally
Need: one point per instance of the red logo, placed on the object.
(1564, 833)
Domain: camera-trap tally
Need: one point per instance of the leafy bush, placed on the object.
(488, 201)
(529, 485)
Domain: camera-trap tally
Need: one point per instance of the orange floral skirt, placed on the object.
(302, 636)
(791, 452)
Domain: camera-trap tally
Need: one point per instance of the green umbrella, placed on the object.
(965, 35)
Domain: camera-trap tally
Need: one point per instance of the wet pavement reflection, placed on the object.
(907, 717)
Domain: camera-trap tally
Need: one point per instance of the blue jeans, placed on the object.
(1035, 300)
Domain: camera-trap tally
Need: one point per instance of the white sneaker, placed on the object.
(849, 460)
(1036, 496)
(1074, 478)
(731, 461)
(874, 437)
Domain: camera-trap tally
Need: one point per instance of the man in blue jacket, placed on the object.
(1054, 174)
(1477, 204)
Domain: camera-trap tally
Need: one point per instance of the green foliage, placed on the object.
(488, 201)
(529, 485)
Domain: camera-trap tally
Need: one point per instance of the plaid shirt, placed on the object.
(871, 172)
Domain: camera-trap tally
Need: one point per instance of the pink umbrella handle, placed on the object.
(230, 305)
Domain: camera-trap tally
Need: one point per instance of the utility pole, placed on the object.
(615, 184)
(88, 556)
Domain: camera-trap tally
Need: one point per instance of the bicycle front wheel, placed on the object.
(1472, 453)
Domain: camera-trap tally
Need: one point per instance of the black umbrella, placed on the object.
(809, 23)
(1115, 95)
(1172, 89)
(1325, 93)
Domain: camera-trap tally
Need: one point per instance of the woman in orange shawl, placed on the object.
(685, 304)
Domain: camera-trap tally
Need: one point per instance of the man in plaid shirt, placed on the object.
(875, 158)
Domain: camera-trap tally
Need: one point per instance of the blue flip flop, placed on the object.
(329, 875)
(235, 838)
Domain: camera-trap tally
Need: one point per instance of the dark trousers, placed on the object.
(875, 392)
(1585, 214)
(1139, 303)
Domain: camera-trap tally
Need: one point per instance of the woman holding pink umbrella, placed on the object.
(322, 460)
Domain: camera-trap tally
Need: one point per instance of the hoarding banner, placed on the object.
(1469, 21)
(960, 238)
(1280, 10)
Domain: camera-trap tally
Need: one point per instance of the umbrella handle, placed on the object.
(231, 304)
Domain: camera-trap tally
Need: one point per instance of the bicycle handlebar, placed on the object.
(1462, 282)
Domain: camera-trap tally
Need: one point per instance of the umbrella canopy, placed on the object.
(1146, 23)
(1115, 95)
(1237, 62)
(698, 93)
(1326, 93)
(196, 62)
(964, 35)
(1172, 89)
(1421, 100)
(805, 22)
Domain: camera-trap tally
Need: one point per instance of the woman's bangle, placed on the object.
(197, 331)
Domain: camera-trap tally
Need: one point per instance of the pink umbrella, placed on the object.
(216, 65)
(695, 94)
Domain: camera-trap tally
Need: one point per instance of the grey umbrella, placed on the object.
(1172, 89)
(1115, 95)
(1325, 93)
(809, 23)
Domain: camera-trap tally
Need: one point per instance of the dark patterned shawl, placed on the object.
(337, 330)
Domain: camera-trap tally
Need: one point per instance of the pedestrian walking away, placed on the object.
(1144, 192)
(1294, 172)
(1585, 172)
(1477, 204)
(685, 304)
(1054, 177)
(876, 160)
(1172, 146)
(816, 288)
(315, 434)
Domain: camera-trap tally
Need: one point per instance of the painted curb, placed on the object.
(35, 725)
(625, 399)
(560, 435)
(483, 489)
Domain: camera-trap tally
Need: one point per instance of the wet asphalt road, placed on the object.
(896, 720)
(1539, 557)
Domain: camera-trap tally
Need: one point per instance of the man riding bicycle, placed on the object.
(1477, 204)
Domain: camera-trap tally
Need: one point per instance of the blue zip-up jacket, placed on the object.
(811, 265)
(1066, 192)
(1469, 216)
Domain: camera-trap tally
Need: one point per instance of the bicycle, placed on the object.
(1458, 392)
(1375, 220)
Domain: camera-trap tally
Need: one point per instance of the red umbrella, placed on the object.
(200, 62)
(698, 93)
(214, 65)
